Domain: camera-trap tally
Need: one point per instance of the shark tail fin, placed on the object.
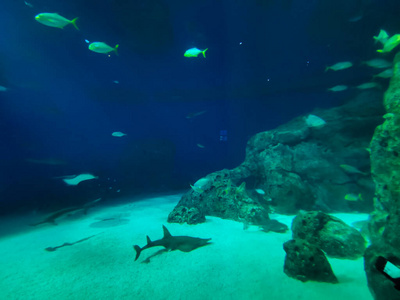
(166, 232)
(138, 250)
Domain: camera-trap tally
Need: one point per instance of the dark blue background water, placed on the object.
(265, 65)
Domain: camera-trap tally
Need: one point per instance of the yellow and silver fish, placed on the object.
(100, 47)
(194, 52)
(55, 20)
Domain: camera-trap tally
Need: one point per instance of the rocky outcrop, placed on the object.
(298, 166)
(328, 233)
(305, 262)
(220, 197)
(385, 170)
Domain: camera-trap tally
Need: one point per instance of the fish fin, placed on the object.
(379, 51)
(166, 232)
(115, 49)
(326, 69)
(204, 52)
(148, 239)
(73, 22)
(138, 250)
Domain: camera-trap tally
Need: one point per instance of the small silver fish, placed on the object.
(118, 134)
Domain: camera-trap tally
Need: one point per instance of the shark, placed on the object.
(170, 242)
(51, 219)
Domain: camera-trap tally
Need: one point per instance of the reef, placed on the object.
(385, 170)
(297, 166)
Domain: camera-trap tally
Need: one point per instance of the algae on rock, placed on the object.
(385, 171)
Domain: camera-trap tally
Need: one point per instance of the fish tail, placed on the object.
(138, 250)
(116, 48)
(326, 69)
(204, 52)
(73, 22)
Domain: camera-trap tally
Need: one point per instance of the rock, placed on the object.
(329, 233)
(222, 198)
(305, 261)
(183, 214)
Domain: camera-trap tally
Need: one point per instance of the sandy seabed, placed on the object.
(239, 264)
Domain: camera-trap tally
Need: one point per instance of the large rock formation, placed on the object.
(299, 165)
(385, 170)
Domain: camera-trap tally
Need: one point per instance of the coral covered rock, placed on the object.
(298, 166)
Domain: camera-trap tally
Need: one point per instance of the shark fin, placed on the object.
(166, 232)
(138, 250)
(148, 240)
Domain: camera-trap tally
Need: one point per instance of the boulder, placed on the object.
(332, 235)
(305, 262)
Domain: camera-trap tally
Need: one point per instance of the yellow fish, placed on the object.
(55, 20)
(194, 52)
(390, 44)
(101, 47)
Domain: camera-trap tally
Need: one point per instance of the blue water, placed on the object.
(264, 66)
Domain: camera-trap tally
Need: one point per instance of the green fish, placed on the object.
(390, 44)
(353, 197)
(339, 66)
(55, 20)
(194, 52)
(368, 85)
(384, 74)
(352, 170)
(382, 37)
(100, 47)
(338, 88)
(377, 63)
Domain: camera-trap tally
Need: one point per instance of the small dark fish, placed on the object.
(58, 214)
(169, 242)
(275, 226)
